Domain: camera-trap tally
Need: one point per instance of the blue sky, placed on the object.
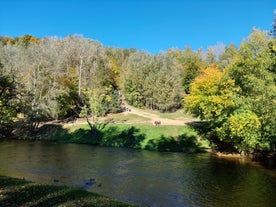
(151, 25)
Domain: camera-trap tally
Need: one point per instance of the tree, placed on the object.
(190, 64)
(242, 130)
(93, 109)
(69, 102)
(136, 69)
(116, 58)
(240, 102)
(5, 40)
(82, 54)
(253, 70)
(152, 81)
(11, 90)
(168, 91)
(214, 52)
(227, 56)
(274, 25)
(210, 56)
(11, 103)
(7, 107)
(40, 74)
(212, 96)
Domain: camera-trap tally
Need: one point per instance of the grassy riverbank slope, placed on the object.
(133, 129)
(19, 192)
(139, 136)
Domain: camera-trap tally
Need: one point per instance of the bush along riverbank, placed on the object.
(156, 138)
(228, 151)
(19, 192)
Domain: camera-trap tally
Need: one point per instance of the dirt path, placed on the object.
(155, 117)
(152, 117)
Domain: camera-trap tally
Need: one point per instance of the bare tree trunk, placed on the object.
(89, 123)
(80, 74)
(92, 125)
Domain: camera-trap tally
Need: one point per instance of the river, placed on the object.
(142, 177)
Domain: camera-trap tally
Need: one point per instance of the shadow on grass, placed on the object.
(16, 192)
(50, 131)
(111, 135)
(55, 132)
(183, 143)
(131, 137)
(201, 127)
(86, 136)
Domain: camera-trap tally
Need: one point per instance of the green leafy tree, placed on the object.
(227, 56)
(212, 96)
(242, 130)
(69, 102)
(7, 106)
(93, 109)
(152, 81)
(190, 64)
(11, 103)
(253, 70)
(116, 58)
(240, 102)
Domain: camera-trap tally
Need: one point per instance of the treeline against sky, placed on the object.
(232, 88)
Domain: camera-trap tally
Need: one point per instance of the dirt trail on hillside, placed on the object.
(111, 118)
(155, 117)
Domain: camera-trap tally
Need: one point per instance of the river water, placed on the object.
(142, 177)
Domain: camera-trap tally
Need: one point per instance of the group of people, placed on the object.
(126, 109)
(157, 123)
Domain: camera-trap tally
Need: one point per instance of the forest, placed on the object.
(231, 88)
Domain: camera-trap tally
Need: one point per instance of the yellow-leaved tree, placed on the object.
(215, 98)
(212, 96)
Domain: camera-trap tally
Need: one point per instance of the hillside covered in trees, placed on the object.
(233, 91)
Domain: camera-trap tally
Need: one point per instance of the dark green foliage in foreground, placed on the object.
(7, 109)
(18, 192)
(10, 102)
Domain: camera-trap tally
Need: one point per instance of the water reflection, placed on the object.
(141, 177)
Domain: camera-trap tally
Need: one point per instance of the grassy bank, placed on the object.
(139, 136)
(18, 192)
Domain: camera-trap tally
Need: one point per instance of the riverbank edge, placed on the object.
(162, 138)
(26, 193)
(266, 159)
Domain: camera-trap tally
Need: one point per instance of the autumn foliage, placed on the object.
(233, 92)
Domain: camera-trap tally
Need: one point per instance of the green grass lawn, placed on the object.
(18, 192)
(132, 131)
(138, 136)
